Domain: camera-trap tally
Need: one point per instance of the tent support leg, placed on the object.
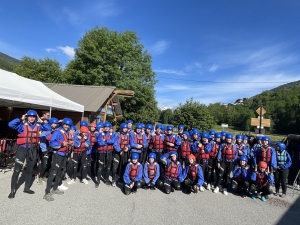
(82, 116)
(50, 111)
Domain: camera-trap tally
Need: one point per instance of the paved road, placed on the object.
(84, 204)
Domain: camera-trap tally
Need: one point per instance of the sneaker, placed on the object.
(244, 196)
(216, 190)
(172, 189)
(208, 187)
(40, 181)
(263, 198)
(84, 181)
(44, 179)
(48, 197)
(225, 191)
(133, 190)
(96, 184)
(152, 188)
(107, 182)
(72, 182)
(63, 187)
(253, 197)
(88, 178)
(57, 192)
(201, 189)
(276, 194)
(283, 195)
(113, 183)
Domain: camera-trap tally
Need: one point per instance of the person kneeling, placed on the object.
(261, 182)
(241, 175)
(173, 172)
(193, 176)
(151, 173)
(133, 175)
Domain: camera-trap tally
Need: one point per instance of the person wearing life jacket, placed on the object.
(195, 141)
(227, 155)
(151, 173)
(105, 149)
(28, 128)
(281, 173)
(133, 175)
(99, 129)
(223, 138)
(173, 171)
(261, 181)
(241, 175)
(192, 176)
(202, 153)
(242, 149)
(62, 143)
(148, 134)
(212, 134)
(139, 143)
(180, 130)
(81, 144)
(46, 151)
(212, 161)
(247, 146)
(129, 124)
(163, 130)
(266, 154)
(93, 147)
(121, 153)
(184, 149)
(171, 142)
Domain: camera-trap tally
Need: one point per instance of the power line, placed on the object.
(226, 82)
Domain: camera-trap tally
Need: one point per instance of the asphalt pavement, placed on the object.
(85, 204)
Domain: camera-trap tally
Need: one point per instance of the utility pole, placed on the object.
(260, 119)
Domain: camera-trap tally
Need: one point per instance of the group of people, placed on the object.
(148, 157)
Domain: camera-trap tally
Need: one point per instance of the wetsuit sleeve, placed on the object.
(157, 174)
(57, 139)
(288, 161)
(140, 174)
(200, 176)
(145, 173)
(16, 124)
(126, 177)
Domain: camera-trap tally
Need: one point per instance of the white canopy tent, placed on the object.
(20, 92)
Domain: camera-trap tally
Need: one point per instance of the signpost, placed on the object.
(224, 125)
(260, 122)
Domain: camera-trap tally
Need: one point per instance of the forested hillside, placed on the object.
(7, 62)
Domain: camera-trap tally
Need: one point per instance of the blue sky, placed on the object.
(239, 48)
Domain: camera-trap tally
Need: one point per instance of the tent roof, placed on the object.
(18, 91)
(92, 97)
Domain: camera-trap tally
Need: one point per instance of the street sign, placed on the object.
(224, 125)
(264, 122)
(263, 111)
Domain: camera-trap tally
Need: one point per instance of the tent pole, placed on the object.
(50, 111)
(82, 116)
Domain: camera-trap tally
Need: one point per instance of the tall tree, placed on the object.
(45, 70)
(193, 114)
(110, 58)
(167, 116)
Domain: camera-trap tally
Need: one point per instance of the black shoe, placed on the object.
(133, 190)
(146, 187)
(96, 185)
(12, 194)
(152, 188)
(29, 191)
(172, 190)
(107, 182)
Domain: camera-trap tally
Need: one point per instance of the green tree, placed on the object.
(167, 116)
(45, 70)
(193, 114)
(110, 58)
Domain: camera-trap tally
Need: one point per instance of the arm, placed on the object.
(16, 124)
(145, 143)
(43, 140)
(220, 154)
(111, 141)
(253, 176)
(157, 174)
(126, 175)
(45, 127)
(132, 142)
(273, 158)
(200, 176)
(140, 175)
(184, 173)
(208, 148)
(236, 152)
(145, 174)
(288, 162)
(116, 143)
(57, 139)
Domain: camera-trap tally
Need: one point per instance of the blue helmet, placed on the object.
(223, 133)
(259, 138)
(83, 123)
(186, 133)
(281, 146)
(243, 158)
(139, 126)
(205, 135)
(31, 113)
(169, 128)
(195, 132)
(67, 121)
(157, 126)
(53, 121)
(123, 125)
(173, 153)
(130, 121)
(218, 135)
(195, 129)
(152, 155)
(180, 127)
(73, 128)
(135, 156)
(266, 138)
(107, 124)
(149, 126)
(245, 138)
(162, 127)
(238, 136)
(229, 136)
(212, 132)
(99, 125)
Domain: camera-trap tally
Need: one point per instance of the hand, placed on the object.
(218, 165)
(39, 120)
(200, 145)
(164, 161)
(126, 149)
(79, 137)
(23, 117)
(279, 167)
(65, 143)
(171, 144)
(255, 168)
(139, 146)
(60, 121)
(131, 185)
(85, 137)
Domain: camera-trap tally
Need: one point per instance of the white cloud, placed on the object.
(51, 50)
(213, 68)
(170, 71)
(193, 66)
(69, 51)
(159, 47)
(177, 87)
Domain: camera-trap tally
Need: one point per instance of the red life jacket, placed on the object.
(29, 136)
(67, 138)
(93, 139)
(106, 148)
(123, 141)
(158, 143)
(148, 136)
(264, 155)
(185, 148)
(81, 147)
(214, 151)
(228, 152)
(202, 155)
(151, 168)
(193, 172)
(172, 140)
(172, 170)
(133, 170)
(261, 179)
(3, 145)
(139, 139)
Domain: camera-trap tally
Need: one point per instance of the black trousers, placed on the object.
(183, 161)
(104, 160)
(241, 185)
(119, 164)
(31, 156)
(169, 184)
(224, 174)
(204, 166)
(161, 165)
(93, 164)
(281, 178)
(265, 190)
(79, 158)
(211, 167)
(45, 165)
(58, 167)
(137, 184)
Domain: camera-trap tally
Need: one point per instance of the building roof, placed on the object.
(92, 97)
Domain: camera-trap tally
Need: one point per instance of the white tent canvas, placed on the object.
(17, 91)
